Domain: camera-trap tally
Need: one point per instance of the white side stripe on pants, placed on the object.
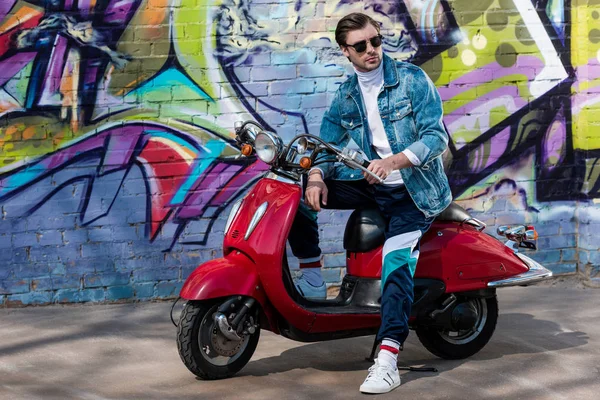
(402, 241)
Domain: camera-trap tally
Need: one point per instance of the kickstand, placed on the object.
(371, 357)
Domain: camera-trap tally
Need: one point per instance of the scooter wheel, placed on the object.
(203, 349)
(458, 344)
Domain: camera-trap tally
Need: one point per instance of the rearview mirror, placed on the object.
(304, 145)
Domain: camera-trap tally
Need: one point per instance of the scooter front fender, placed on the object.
(232, 275)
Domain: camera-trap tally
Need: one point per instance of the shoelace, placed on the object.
(377, 370)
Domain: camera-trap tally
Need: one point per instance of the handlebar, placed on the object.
(351, 158)
(354, 160)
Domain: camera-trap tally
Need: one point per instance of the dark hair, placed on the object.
(352, 22)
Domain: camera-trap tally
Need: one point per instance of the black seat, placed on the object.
(454, 213)
(365, 229)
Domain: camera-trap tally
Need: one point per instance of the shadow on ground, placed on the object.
(530, 336)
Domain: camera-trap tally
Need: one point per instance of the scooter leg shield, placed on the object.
(234, 274)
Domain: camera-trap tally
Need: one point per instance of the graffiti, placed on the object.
(97, 93)
(181, 176)
(70, 61)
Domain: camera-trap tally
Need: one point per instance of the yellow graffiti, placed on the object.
(584, 52)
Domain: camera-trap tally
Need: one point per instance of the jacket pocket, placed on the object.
(403, 124)
(400, 110)
(351, 123)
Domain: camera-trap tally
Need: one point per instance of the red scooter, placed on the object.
(230, 299)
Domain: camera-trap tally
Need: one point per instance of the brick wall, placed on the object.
(117, 168)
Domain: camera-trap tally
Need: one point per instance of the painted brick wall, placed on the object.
(117, 166)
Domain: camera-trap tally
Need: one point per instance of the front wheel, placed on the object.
(203, 348)
(462, 343)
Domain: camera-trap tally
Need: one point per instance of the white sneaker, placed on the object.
(309, 291)
(382, 378)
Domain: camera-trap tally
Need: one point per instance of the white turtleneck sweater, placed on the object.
(370, 85)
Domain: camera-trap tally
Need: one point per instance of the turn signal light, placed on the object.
(305, 162)
(519, 236)
(247, 149)
(531, 233)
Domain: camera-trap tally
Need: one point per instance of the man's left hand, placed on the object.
(381, 168)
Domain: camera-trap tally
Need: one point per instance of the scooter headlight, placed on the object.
(268, 146)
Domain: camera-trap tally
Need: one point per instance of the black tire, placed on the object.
(441, 344)
(195, 316)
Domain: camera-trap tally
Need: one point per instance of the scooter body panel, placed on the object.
(345, 322)
(365, 265)
(266, 247)
(232, 275)
(465, 258)
(461, 256)
(266, 243)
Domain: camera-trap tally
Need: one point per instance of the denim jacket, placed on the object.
(411, 112)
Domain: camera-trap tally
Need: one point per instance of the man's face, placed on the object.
(369, 59)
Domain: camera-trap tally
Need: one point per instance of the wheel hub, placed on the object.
(224, 346)
(464, 316)
(469, 329)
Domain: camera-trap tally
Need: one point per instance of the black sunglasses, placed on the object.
(361, 47)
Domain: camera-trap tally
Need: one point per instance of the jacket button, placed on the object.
(351, 123)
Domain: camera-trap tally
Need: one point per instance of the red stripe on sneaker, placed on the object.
(391, 349)
(316, 264)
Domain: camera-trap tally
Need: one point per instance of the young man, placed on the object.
(393, 112)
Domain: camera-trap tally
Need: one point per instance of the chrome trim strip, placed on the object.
(232, 214)
(480, 225)
(260, 211)
(536, 273)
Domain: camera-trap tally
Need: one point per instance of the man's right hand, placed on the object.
(316, 191)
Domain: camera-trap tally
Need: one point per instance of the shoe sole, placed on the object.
(382, 391)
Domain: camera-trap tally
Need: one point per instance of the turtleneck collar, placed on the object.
(371, 78)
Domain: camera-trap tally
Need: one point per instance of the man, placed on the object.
(393, 112)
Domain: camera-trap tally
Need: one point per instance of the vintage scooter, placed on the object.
(230, 299)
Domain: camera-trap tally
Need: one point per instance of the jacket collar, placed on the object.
(390, 72)
(390, 77)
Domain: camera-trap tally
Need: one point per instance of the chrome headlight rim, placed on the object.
(271, 139)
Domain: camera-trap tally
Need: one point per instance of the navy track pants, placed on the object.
(406, 224)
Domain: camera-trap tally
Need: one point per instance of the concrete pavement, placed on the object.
(546, 346)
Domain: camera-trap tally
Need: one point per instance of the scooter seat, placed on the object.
(365, 230)
(453, 213)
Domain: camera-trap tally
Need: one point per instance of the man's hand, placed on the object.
(315, 191)
(383, 168)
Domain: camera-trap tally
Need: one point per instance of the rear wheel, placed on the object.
(454, 344)
(203, 348)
